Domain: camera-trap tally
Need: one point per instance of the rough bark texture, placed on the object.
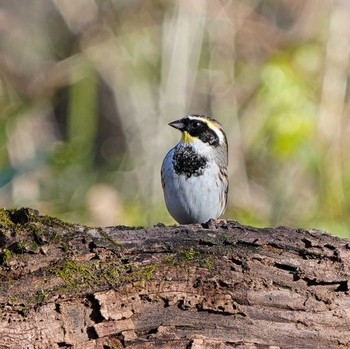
(219, 285)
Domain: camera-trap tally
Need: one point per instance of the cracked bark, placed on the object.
(220, 285)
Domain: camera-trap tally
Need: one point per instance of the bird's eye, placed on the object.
(196, 124)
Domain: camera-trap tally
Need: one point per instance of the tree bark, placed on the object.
(215, 285)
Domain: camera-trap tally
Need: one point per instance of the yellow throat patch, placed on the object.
(186, 137)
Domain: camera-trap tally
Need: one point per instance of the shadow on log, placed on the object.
(219, 285)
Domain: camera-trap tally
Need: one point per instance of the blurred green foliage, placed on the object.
(87, 89)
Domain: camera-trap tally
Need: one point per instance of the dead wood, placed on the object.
(219, 285)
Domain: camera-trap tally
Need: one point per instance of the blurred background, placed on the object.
(87, 88)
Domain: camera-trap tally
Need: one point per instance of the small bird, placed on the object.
(194, 172)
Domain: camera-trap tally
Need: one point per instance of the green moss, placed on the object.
(112, 275)
(24, 230)
(190, 257)
(5, 255)
(20, 247)
(147, 271)
(41, 297)
(4, 218)
(23, 303)
(53, 222)
(208, 264)
(37, 230)
(65, 247)
(13, 300)
(142, 273)
(76, 275)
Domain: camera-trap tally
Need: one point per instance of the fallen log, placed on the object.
(215, 285)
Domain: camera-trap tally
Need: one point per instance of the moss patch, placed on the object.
(190, 257)
(25, 230)
(5, 255)
(81, 275)
(42, 257)
(5, 220)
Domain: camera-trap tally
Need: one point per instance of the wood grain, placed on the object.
(217, 285)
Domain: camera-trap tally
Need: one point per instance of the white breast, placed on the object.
(195, 199)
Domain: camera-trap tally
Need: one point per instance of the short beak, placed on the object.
(178, 124)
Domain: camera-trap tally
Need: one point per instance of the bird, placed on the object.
(194, 172)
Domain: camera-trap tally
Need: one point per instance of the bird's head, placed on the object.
(200, 128)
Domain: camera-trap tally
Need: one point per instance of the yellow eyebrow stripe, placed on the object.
(212, 124)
